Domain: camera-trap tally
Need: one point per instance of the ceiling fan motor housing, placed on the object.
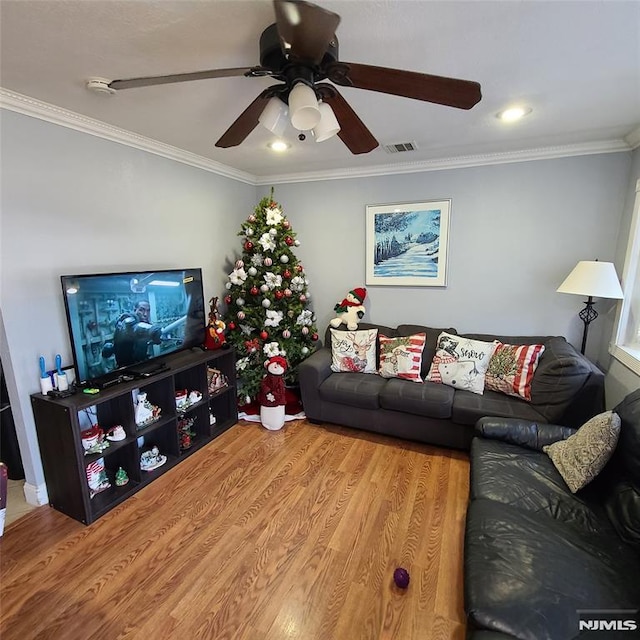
(272, 57)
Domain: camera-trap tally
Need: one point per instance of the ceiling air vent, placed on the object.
(400, 147)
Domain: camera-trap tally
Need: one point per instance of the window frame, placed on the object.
(629, 353)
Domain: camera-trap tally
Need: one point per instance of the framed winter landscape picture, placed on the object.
(407, 243)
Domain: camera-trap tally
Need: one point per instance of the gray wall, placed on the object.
(517, 230)
(74, 203)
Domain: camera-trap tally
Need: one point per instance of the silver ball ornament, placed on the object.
(266, 303)
(252, 271)
(264, 288)
(284, 258)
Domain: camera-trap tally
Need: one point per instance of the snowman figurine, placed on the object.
(272, 394)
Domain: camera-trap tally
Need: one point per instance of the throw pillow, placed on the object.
(353, 351)
(582, 456)
(402, 357)
(511, 369)
(461, 362)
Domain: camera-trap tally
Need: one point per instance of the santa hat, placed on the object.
(360, 293)
(279, 359)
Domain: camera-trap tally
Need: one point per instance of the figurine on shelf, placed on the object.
(97, 477)
(216, 380)
(186, 433)
(117, 433)
(152, 459)
(145, 412)
(121, 477)
(93, 440)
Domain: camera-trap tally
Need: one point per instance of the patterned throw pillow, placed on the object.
(354, 351)
(582, 456)
(511, 369)
(461, 362)
(402, 357)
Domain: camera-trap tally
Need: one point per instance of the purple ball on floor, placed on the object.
(401, 578)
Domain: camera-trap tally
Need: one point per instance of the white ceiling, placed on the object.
(577, 64)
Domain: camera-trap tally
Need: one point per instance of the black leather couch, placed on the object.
(536, 554)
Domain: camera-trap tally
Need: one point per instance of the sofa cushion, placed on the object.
(511, 369)
(354, 351)
(528, 480)
(582, 456)
(468, 407)
(430, 345)
(353, 389)
(561, 373)
(527, 574)
(461, 362)
(428, 399)
(401, 357)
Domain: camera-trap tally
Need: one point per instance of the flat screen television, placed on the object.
(126, 323)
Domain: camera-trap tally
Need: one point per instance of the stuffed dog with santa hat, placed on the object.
(272, 396)
(351, 310)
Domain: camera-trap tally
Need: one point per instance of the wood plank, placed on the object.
(259, 535)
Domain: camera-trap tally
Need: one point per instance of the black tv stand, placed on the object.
(146, 371)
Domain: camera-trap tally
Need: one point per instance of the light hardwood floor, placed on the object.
(260, 536)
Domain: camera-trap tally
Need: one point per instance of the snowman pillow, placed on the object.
(461, 362)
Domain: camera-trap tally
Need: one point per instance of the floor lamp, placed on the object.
(595, 280)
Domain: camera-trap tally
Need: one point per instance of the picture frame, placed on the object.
(407, 243)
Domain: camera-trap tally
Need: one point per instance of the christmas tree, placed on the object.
(267, 300)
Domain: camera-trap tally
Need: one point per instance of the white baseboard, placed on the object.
(36, 494)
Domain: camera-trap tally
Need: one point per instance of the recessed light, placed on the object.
(278, 146)
(513, 113)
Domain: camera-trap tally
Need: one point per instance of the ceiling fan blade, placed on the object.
(246, 122)
(130, 83)
(450, 92)
(353, 132)
(305, 29)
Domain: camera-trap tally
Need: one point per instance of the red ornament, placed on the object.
(303, 298)
(286, 224)
(288, 241)
(314, 336)
(278, 294)
(231, 325)
(248, 245)
(286, 274)
(254, 291)
(299, 268)
(264, 335)
(227, 299)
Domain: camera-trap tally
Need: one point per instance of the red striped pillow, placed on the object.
(402, 357)
(511, 369)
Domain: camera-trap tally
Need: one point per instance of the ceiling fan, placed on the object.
(301, 51)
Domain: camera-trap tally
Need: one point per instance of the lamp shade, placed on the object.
(593, 278)
(303, 107)
(274, 116)
(328, 125)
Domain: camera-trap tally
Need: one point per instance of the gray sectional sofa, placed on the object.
(566, 389)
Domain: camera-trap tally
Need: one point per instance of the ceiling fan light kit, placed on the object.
(274, 116)
(328, 125)
(512, 114)
(301, 50)
(303, 106)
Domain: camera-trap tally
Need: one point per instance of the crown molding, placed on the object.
(633, 138)
(25, 105)
(460, 162)
(57, 115)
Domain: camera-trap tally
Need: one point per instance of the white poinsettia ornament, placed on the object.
(274, 216)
